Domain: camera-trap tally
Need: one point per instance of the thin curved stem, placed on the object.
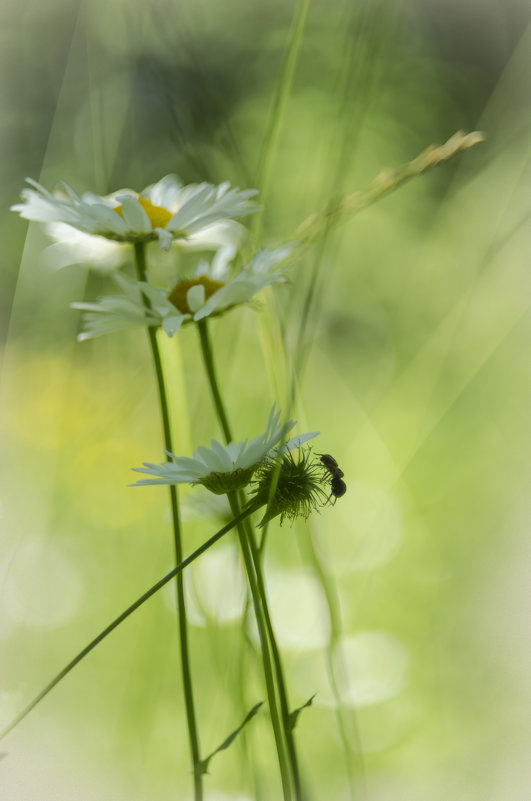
(264, 647)
(254, 570)
(208, 359)
(283, 696)
(193, 735)
(277, 115)
(177, 570)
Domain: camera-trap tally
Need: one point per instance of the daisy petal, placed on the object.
(223, 469)
(134, 215)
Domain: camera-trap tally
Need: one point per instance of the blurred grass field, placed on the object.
(416, 373)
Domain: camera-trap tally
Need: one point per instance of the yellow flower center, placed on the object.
(179, 292)
(159, 217)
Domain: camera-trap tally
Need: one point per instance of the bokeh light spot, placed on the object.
(369, 534)
(370, 667)
(298, 610)
(43, 587)
(215, 588)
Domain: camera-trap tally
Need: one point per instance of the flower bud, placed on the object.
(290, 486)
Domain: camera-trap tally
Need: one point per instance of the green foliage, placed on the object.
(294, 716)
(230, 739)
(402, 335)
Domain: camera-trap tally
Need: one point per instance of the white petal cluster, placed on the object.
(175, 211)
(72, 246)
(197, 206)
(258, 274)
(220, 461)
(128, 310)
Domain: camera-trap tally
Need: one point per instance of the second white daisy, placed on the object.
(209, 292)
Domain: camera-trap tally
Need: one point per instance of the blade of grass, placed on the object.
(278, 112)
(193, 731)
(123, 616)
(232, 736)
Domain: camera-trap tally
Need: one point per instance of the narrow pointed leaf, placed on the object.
(203, 764)
(294, 716)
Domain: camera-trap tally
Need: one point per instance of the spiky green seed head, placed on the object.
(290, 486)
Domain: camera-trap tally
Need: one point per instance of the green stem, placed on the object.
(278, 112)
(264, 647)
(254, 571)
(125, 614)
(140, 258)
(208, 358)
(283, 696)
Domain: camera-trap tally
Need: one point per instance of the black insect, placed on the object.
(337, 484)
(331, 465)
(338, 488)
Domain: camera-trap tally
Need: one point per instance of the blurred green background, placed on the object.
(415, 586)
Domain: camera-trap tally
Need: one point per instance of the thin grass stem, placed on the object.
(278, 112)
(251, 552)
(193, 733)
(177, 570)
(387, 181)
(264, 648)
(282, 691)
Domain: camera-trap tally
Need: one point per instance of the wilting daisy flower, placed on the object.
(210, 292)
(165, 211)
(223, 468)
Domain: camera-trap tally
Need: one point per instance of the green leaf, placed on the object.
(203, 764)
(294, 716)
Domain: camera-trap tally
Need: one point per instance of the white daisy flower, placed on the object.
(221, 468)
(207, 293)
(72, 246)
(118, 312)
(165, 210)
(190, 299)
